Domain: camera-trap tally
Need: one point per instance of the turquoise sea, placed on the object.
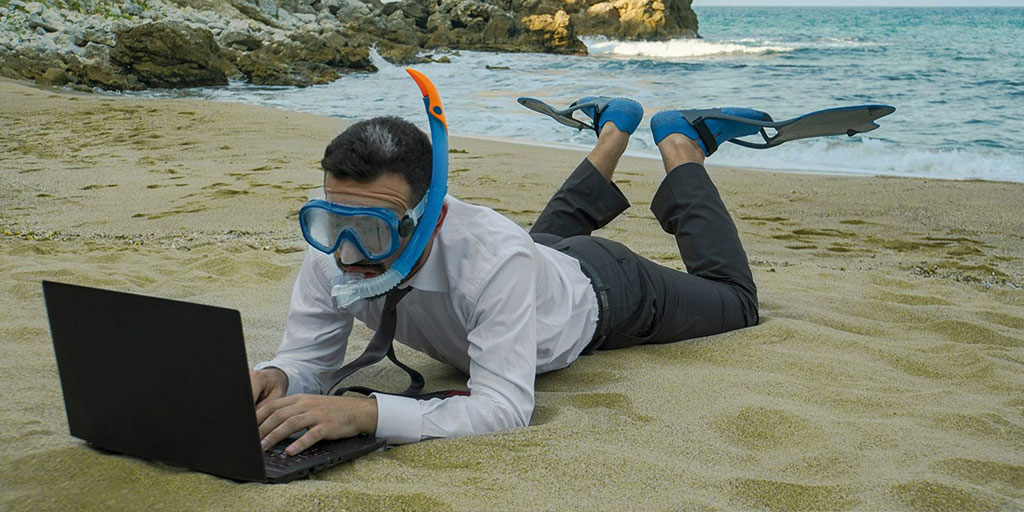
(956, 76)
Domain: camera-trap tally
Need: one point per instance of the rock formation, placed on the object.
(164, 54)
(185, 43)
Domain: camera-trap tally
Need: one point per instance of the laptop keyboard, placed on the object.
(276, 457)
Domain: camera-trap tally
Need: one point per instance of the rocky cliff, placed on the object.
(183, 43)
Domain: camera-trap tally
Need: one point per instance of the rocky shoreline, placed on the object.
(141, 44)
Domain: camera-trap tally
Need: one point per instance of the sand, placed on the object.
(887, 371)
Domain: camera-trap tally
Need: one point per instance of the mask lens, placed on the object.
(322, 227)
(373, 234)
(326, 228)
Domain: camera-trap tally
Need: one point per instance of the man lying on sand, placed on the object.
(487, 297)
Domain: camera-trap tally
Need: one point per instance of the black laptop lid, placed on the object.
(156, 378)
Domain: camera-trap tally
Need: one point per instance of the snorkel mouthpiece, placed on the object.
(352, 288)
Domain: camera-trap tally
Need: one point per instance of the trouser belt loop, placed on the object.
(603, 320)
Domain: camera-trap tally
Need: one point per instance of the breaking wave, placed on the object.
(680, 48)
(875, 157)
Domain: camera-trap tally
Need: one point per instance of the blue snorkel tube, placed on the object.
(353, 288)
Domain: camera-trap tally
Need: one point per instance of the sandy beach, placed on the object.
(887, 372)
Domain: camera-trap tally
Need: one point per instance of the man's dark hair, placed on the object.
(382, 145)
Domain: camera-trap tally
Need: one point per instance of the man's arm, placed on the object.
(503, 367)
(316, 333)
(306, 366)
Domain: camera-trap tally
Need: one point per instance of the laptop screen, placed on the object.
(156, 378)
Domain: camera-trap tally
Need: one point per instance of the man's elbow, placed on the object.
(506, 415)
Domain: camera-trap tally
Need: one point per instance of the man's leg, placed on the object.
(588, 200)
(717, 293)
(649, 303)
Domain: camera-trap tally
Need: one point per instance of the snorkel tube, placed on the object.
(354, 288)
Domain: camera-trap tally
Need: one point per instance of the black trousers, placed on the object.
(641, 301)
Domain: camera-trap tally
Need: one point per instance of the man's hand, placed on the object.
(267, 384)
(326, 417)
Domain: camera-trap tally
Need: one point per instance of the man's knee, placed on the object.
(546, 238)
(748, 301)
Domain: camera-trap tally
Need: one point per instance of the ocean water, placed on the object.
(955, 75)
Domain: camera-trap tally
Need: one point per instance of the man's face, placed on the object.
(389, 191)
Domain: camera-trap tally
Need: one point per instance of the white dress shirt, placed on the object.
(488, 301)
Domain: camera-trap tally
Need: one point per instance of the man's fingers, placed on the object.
(265, 385)
(285, 429)
(280, 417)
(311, 437)
(269, 407)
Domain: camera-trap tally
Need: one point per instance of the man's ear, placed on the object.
(440, 219)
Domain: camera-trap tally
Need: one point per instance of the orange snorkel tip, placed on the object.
(430, 94)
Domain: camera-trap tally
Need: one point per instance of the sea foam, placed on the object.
(876, 157)
(679, 48)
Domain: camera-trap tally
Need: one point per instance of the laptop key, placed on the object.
(277, 458)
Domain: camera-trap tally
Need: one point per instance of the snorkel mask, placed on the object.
(376, 232)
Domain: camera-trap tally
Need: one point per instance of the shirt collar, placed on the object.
(431, 276)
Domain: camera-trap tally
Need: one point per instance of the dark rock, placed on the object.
(240, 40)
(27, 63)
(53, 76)
(91, 73)
(307, 59)
(496, 25)
(166, 54)
(400, 54)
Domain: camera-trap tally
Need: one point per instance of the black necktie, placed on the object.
(382, 345)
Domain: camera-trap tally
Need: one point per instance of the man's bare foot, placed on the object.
(678, 149)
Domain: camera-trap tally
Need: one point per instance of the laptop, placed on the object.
(168, 381)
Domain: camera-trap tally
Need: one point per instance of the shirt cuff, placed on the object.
(294, 383)
(399, 419)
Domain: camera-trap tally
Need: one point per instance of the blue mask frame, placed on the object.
(386, 215)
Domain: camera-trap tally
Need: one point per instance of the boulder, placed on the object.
(298, 6)
(400, 54)
(635, 19)
(53, 76)
(166, 54)
(240, 39)
(98, 73)
(493, 25)
(25, 63)
(553, 32)
(253, 11)
(304, 59)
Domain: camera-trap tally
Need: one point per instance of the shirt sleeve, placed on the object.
(315, 334)
(502, 368)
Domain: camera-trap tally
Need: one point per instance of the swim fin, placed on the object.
(833, 121)
(564, 116)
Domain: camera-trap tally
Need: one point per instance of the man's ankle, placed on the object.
(678, 149)
(611, 144)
